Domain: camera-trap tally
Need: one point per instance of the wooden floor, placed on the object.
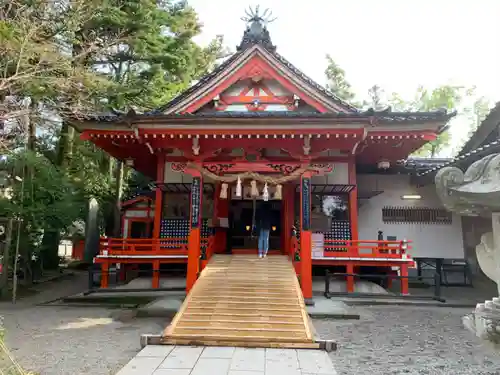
(241, 300)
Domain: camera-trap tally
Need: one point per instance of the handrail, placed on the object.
(145, 246)
(366, 248)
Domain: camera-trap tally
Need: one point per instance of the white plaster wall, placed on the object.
(339, 175)
(235, 89)
(276, 88)
(428, 240)
(139, 214)
(173, 177)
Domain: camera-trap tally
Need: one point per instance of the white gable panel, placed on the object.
(236, 89)
(276, 88)
(276, 107)
(236, 108)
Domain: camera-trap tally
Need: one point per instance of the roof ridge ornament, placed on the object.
(256, 31)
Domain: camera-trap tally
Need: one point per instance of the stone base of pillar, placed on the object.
(309, 301)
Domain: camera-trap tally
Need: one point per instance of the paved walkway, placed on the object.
(192, 360)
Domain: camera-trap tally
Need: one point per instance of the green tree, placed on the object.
(480, 110)
(425, 100)
(72, 57)
(157, 57)
(337, 82)
(376, 98)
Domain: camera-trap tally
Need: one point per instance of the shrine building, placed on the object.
(257, 129)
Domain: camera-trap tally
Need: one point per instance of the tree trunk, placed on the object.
(50, 249)
(65, 145)
(51, 236)
(118, 199)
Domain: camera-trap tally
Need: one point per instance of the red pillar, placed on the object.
(160, 173)
(156, 274)
(353, 200)
(104, 275)
(404, 279)
(305, 237)
(194, 240)
(350, 279)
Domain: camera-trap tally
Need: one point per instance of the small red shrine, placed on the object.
(256, 128)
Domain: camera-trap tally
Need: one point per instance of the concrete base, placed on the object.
(150, 339)
(325, 308)
(340, 286)
(309, 301)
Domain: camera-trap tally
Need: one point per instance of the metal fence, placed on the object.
(114, 279)
(436, 294)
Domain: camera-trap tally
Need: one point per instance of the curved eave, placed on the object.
(436, 120)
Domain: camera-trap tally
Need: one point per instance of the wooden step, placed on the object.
(242, 315)
(241, 300)
(241, 325)
(258, 335)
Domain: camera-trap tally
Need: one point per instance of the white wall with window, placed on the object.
(433, 239)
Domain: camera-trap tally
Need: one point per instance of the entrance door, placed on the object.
(240, 234)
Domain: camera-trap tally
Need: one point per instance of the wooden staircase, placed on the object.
(242, 300)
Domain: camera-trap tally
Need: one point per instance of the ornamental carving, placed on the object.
(218, 169)
(283, 168)
(179, 167)
(323, 168)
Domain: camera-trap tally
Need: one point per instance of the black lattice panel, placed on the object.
(340, 230)
(179, 228)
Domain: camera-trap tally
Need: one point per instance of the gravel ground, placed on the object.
(55, 340)
(386, 340)
(69, 341)
(408, 340)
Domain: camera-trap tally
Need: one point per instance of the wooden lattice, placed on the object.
(422, 215)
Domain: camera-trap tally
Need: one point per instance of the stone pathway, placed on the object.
(196, 360)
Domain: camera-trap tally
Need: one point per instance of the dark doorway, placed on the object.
(241, 214)
(139, 229)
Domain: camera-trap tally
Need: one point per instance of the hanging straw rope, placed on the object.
(253, 176)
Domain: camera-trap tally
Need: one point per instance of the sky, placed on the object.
(397, 44)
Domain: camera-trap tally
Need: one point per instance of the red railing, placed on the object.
(144, 246)
(360, 248)
(366, 249)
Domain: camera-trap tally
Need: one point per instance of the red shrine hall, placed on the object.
(255, 129)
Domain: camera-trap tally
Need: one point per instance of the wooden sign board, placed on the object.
(306, 203)
(196, 202)
(318, 245)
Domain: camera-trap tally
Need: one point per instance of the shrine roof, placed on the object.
(486, 132)
(385, 117)
(296, 71)
(257, 34)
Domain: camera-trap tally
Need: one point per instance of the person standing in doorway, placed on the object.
(264, 228)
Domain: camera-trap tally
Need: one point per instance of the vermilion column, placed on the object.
(305, 237)
(160, 175)
(353, 201)
(194, 240)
